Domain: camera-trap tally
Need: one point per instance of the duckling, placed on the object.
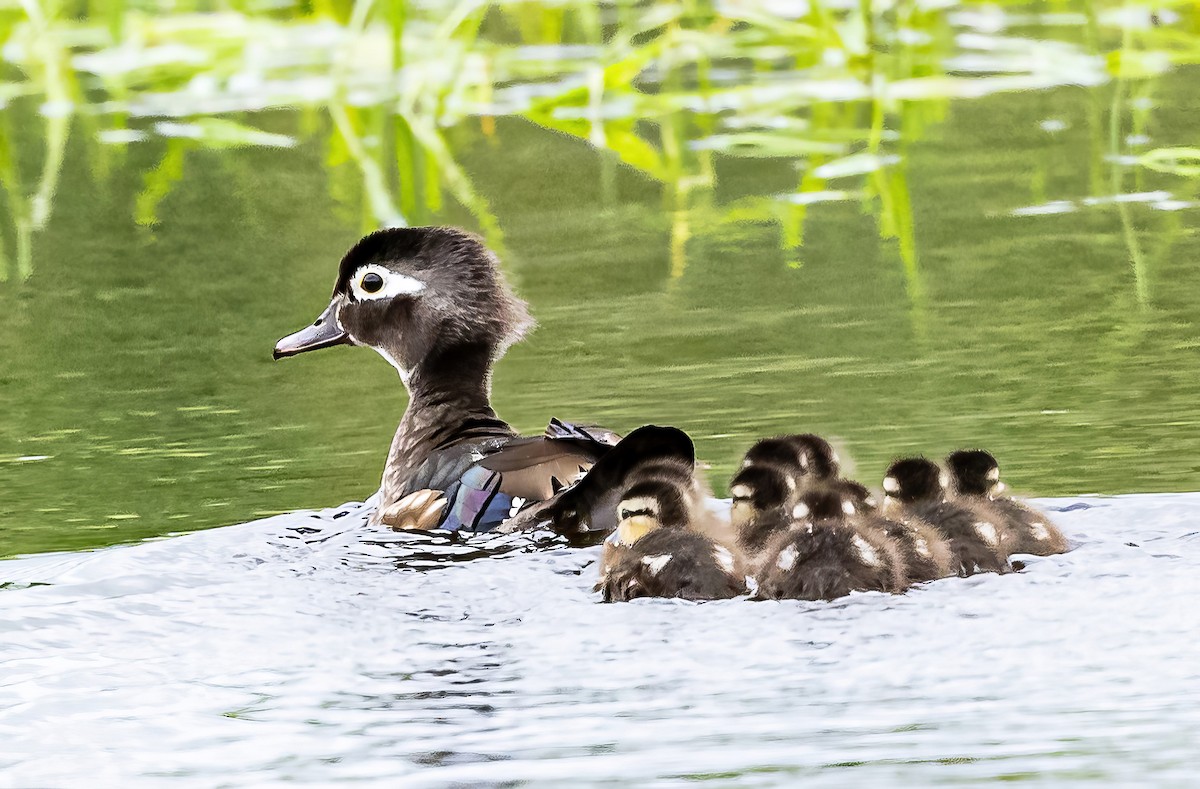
(805, 456)
(925, 551)
(975, 475)
(916, 491)
(764, 490)
(829, 552)
(433, 302)
(762, 499)
(656, 552)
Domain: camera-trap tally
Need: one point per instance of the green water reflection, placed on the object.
(901, 232)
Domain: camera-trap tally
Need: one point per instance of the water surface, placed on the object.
(310, 649)
(980, 249)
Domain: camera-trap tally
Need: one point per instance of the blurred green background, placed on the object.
(911, 226)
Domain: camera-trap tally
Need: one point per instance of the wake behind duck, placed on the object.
(434, 303)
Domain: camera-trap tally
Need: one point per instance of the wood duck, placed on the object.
(916, 490)
(829, 552)
(656, 550)
(433, 302)
(975, 475)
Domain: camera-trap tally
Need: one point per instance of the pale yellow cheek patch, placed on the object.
(740, 513)
(633, 529)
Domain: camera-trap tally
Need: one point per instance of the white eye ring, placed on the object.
(393, 284)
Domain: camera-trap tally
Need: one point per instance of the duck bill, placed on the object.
(740, 513)
(324, 332)
(633, 529)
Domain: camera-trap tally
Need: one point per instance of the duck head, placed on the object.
(649, 505)
(915, 479)
(418, 296)
(975, 472)
(757, 489)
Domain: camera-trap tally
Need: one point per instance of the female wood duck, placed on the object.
(975, 475)
(657, 551)
(433, 302)
(830, 552)
(916, 490)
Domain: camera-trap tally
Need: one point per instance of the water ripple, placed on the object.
(291, 650)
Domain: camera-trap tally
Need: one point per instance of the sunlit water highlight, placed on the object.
(309, 648)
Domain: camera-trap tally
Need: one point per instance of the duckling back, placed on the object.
(925, 551)
(676, 563)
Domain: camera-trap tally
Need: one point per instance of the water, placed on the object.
(950, 226)
(960, 262)
(292, 650)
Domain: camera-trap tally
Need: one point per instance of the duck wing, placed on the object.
(483, 484)
(586, 511)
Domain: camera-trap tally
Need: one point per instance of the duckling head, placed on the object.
(649, 505)
(975, 472)
(758, 489)
(801, 455)
(915, 479)
(422, 297)
(824, 503)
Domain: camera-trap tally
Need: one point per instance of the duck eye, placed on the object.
(372, 282)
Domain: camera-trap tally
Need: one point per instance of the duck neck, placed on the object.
(449, 404)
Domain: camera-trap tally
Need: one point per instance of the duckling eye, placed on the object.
(372, 282)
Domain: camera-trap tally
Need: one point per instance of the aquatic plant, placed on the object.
(835, 91)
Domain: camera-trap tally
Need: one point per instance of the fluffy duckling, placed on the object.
(916, 491)
(829, 552)
(764, 491)
(975, 475)
(763, 496)
(655, 552)
(805, 456)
